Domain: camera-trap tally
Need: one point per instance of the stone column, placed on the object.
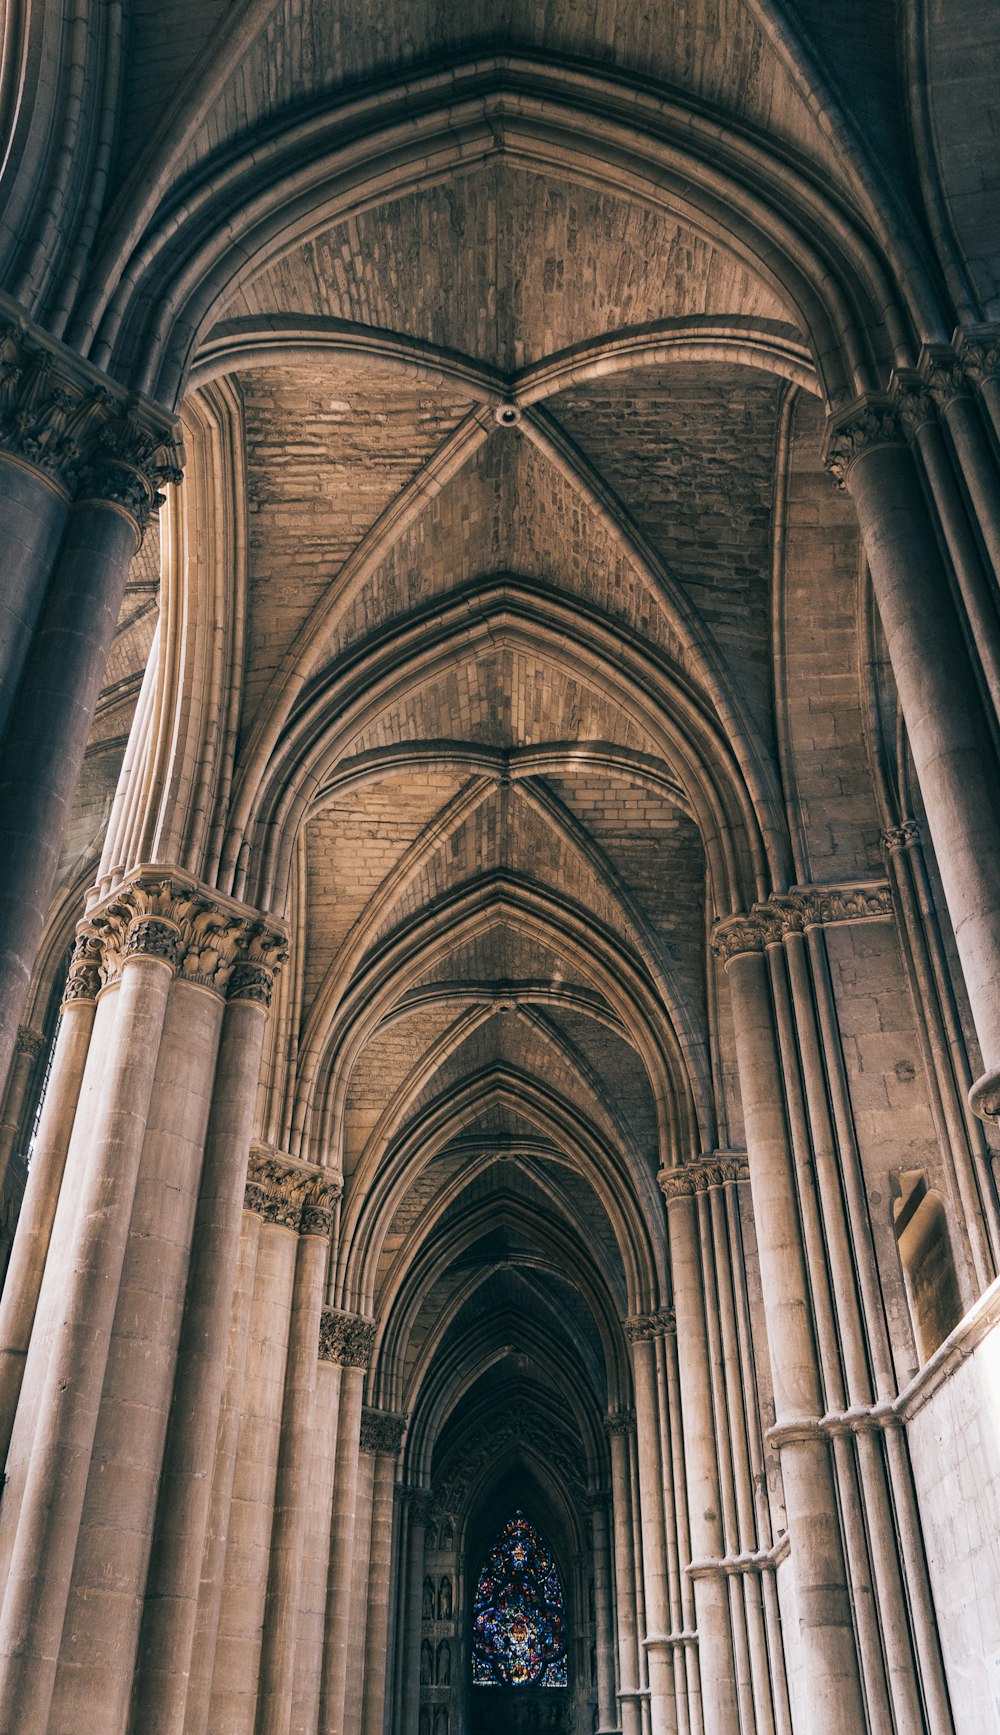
(145, 947)
(291, 1511)
(939, 696)
(826, 1635)
(211, 1559)
(167, 1638)
(620, 1425)
(382, 1435)
(607, 1721)
(642, 1332)
(354, 1696)
(31, 1244)
(692, 1296)
(348, 1339)
(418, 1514)
(114, 487)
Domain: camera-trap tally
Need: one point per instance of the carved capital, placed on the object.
(737, 935)
(79, 430)
(28, 1042)
(152, 937)
(875, 423)
(898, 837)
(290, 1194)
(717, 1169)
(381, 1432)
(644, 1327)
(346, 1338)
(83, 978)
(825, 906)
(915, 406)
(947, 380)
(214, 936)
(801, 907)
(981, 359)
(619, 1422)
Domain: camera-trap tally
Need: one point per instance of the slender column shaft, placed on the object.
(606, 1718)
(38, 1584)
(979, 468)
(316, 1563)
(239, 1642)
(354, 1696)
(210, 1560)
(379, 1585)
(625, 1566)
(410, 1685)
(342, 1552)
(31, 1243)
(291, 1494)
(944, 718)
(167, 1639)
(976, 584)
(826, 1633)
(659, 1659)
(41, 757)
(401, 1605)
(717, 1668)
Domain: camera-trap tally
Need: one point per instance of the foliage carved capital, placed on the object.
(29, 1042)
(209, 940)
(64, 420)
(291, 1194)
(645, 1327)
(381, 1432)
(873, 423)
(346, 1338)
(718, 1169)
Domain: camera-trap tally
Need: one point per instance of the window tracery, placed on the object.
(518, 1616)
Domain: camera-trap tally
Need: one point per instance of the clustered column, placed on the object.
(108, 1317)
(733, 1559)
(347, 1339)
(863, 1599)
(907, 484)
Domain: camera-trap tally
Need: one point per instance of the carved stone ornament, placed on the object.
(382, 1432)
(290, 1194)
(874, 424)
(29, 1042)
(620, 1422)
(897, 837)
(915, 406)
(946, 381)
(78, 429)
(802, 907)
(206, 938)
(83, 979)
(714, 1170)
(345, 1338)
(981, 359)
(644, 1327)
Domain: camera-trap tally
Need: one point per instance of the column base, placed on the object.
(984, 1096)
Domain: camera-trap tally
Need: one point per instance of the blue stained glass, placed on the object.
(518, 1619)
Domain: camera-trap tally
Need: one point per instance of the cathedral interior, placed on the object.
(500, 909)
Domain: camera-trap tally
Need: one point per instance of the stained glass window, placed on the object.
(518, 1621)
